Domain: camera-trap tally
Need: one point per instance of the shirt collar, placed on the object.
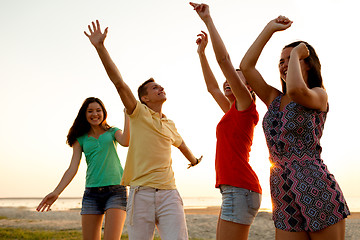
(156, 114)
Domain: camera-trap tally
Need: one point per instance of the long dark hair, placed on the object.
(81, 126)
(314, 73)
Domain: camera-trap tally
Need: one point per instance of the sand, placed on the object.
(201, 222)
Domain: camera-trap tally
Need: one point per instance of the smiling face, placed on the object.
(154, 93)
(310, 66)
(227, 89)
(284, 64)
(94, 114)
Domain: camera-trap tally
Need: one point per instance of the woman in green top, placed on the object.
(103, 193)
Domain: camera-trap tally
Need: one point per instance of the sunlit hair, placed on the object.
(142, 90)
(313, 62)
(81, 126)
(252, 92)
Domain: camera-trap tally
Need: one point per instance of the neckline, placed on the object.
(279, 103)
(95, 137)
(161, 115)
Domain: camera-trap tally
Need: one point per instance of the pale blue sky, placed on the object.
(48, 67)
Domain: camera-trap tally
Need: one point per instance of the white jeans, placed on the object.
(149, 207)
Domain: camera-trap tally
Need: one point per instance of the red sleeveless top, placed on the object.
(234, 135)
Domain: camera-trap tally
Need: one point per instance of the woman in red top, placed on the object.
(238, 183)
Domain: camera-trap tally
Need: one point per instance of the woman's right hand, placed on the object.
(279, 24)
(47, 202)
(202, 42)
(202, 10)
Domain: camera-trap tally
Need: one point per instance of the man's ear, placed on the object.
(145, 98)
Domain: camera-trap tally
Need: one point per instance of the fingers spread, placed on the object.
(90, 29)
(98, 25)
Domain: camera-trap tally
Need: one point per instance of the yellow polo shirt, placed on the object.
(148, 162)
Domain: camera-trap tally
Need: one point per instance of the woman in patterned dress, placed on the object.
(307, 201)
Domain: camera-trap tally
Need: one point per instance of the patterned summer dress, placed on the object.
(305, 195)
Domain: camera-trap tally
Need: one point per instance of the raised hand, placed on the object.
(301, 50)
(279, 24)
(202, 41)
(202, 10)
(96, 37)
(47, 202)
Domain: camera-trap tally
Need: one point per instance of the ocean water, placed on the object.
(75, 203)
(63, 204)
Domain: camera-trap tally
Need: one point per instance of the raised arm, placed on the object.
(97, 39)
(296, 87)
(65, 180)
(189, 155)
(211, 83)
(238, 88)
(123, 137)
(265, 92)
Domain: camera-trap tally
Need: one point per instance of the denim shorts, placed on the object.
(239, 205)
(97, 200)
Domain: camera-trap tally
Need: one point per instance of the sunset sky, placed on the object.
(48, 67)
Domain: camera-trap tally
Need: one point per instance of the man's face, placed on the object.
(155, 93)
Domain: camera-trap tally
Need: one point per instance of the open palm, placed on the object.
(96, 37)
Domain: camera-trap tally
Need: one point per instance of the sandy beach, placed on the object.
(201, 222)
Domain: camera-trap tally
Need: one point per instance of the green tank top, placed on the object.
(103, 163)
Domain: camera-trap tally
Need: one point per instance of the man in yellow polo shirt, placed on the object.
(154, 200)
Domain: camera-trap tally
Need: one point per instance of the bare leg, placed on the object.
(333, 232)
(285, 235)
(91, 226)
(231, 230)
(114, 223)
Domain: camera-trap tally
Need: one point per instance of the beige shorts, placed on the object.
(149, 207)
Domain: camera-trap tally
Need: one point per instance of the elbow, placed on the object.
(125, 143)
(223, 60)
(296, 93)
(247, 63)
(71, 171)
(182, 146)
(244, 66)
(118, 85)
(211, 90)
